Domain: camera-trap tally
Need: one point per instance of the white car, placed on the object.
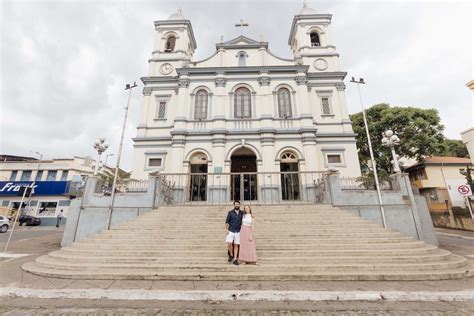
(4, 224)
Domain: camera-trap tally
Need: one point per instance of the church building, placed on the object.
(243, 109)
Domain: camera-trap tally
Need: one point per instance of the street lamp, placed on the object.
(372, 159)
(391, 140)
(100, 145)
(114, 184)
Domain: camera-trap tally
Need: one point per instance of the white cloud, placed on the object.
(64, 65)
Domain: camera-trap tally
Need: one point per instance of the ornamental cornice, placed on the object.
(220, 82)
(264, 81)
(183, 83)
(301, 80)
(340, 86)
(147, 91)
(244, 70)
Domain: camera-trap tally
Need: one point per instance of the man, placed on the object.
(232, 226)
(59, 218)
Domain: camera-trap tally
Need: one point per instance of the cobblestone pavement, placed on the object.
(157, 311)
(20, 306)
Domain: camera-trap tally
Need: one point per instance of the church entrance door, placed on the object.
(290, 182)
(243, 175)
(198, 178)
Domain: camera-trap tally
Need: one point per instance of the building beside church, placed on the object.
(243, 109)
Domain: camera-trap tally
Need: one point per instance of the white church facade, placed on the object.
(243, 109)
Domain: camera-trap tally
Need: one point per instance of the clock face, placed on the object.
(320, 64)
(166, 69)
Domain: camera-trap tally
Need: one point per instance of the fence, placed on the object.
(249, 187)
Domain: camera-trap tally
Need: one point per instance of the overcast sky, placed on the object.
(64, 64)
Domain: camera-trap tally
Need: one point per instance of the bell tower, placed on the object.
(311, 42)
(174, 45)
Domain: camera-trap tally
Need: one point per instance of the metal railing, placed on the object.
(248, 187)
(364, 183)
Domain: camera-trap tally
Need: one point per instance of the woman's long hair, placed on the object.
(250, 209)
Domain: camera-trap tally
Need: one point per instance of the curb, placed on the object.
(420, 296)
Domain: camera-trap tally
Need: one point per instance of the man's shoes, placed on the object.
(230, 259)
(236, 262)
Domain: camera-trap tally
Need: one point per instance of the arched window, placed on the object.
(284, 103)
(170, 42)
(200, 105)
(242, 59)
(242, 106)
(289, 157)
(314, 36)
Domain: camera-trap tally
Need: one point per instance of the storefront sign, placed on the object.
(39, 187)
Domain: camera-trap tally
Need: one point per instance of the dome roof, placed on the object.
(177, 16)
(307, 10)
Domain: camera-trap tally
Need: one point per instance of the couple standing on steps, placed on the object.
(239, 227)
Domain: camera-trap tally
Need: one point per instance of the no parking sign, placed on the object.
(464, 190)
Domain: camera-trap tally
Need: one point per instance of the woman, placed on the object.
(248, 250)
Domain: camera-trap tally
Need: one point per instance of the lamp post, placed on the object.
(114, 184)
(100, 145)
(391, 140)
(372, 159)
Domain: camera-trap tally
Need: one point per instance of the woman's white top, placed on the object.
(247, 220)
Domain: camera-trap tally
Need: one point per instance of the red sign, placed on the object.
(464, 190)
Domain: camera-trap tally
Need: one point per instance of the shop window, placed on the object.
(47, 209)
(13, 175)
(52, 175)
(26, 175)
(64, 175)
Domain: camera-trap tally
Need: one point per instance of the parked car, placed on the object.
(29, 220)
(4, 224)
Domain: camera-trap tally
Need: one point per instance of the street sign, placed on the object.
(464, 190)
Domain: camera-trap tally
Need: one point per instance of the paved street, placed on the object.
(457, 241)
(30, 232)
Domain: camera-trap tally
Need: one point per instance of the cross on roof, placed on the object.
(241, 24)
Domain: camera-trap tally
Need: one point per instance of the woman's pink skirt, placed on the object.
(248, 250)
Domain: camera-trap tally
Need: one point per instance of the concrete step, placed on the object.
(261, 253)
(453, 263)
(171, 275)
(316, 234)
(294, 243)
(441, 255)
(261, 241)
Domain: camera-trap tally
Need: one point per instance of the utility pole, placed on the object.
(117, 165)
(372, 159)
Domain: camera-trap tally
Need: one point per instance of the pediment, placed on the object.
(242, 41)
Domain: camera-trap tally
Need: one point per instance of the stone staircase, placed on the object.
(294, 243)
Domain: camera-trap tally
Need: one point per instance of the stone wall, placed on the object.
(91, 214)
(444, 220)
(404, 211)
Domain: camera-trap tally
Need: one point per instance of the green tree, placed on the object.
(420, 132)
(454, 148)
(468, 174)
